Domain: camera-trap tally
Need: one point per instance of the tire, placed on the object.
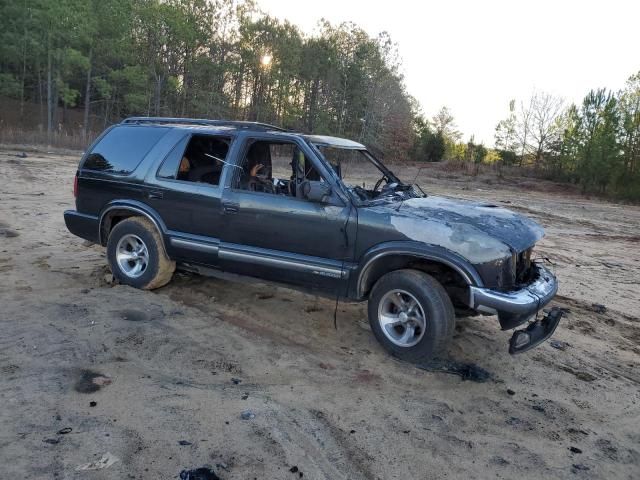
(427, 309)
(149, 268)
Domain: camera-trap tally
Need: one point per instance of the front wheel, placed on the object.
(411, 315)
(136, 254)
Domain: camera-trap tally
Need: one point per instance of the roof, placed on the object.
(327, 141)
(320, 140)
(203, 122)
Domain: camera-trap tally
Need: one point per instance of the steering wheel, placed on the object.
(379, 182)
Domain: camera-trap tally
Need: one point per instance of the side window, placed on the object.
(169, 168)
(275, 167)
(123, 148)
(199, 158)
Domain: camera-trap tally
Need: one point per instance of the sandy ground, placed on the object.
(131, 374)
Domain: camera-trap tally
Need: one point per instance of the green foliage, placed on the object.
(507, 157)
(204, 58)
(595, 145)
(479, 153)
(429, 146)
(9, 85)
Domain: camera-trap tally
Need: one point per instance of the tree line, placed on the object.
(227, 59)
(595, 144)
(202, 58)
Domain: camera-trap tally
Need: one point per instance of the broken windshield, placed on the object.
(364, 175)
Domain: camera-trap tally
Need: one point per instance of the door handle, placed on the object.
(157, 194)
(230, 207)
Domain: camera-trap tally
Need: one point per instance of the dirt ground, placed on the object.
(148, 384)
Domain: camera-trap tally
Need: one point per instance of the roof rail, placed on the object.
(204, 121)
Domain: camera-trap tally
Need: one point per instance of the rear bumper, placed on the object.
(516, 307)
(82, 225)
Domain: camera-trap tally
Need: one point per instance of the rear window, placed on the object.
(123, 148)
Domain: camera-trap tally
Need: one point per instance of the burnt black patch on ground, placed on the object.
(467, 371)
(202, 473)
(90, 381)
(133, 315)
(6, 232)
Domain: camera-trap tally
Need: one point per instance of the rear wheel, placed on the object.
(411, 315)
(136, 254)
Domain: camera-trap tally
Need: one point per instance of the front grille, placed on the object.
(523, 265)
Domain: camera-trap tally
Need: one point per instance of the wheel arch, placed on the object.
(117, 211)
(449, 268)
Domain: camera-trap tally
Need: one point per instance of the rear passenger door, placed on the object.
(186, 191)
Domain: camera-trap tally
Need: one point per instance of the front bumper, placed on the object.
(516, 307)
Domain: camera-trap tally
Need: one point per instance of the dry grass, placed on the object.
(60, 139)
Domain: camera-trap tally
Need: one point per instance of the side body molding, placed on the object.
(418, 250)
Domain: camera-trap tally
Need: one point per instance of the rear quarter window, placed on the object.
(122, 149)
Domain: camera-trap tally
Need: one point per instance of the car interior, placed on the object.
(203, 159)
(276, 167)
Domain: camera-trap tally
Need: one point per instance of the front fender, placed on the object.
(417, 250)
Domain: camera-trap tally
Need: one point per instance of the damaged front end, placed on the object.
(536, 288)
(536, 332)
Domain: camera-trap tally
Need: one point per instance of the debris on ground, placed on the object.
(236, 381)
(184, 443)
(575, 450)
(577, 467)
(105, 461)
(468, 371)
(295, 469)
(64, 431)
(52, 441)
(598, 308)
(247, 415)
(202, 473)
(511, 392)
(579, 374)
(559, 344)
(7, 232)
(90, 381)
(93, 404)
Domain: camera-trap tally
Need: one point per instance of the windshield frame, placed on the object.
(385, 172)
(316, 143)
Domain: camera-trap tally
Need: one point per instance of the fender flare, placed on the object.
(417, 250)
(139, 208)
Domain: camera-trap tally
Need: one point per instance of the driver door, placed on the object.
(273, 233)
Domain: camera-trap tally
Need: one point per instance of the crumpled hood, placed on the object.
(480, 232)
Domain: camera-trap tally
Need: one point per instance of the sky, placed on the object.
(475, 56)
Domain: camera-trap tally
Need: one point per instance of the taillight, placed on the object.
(75, 186)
